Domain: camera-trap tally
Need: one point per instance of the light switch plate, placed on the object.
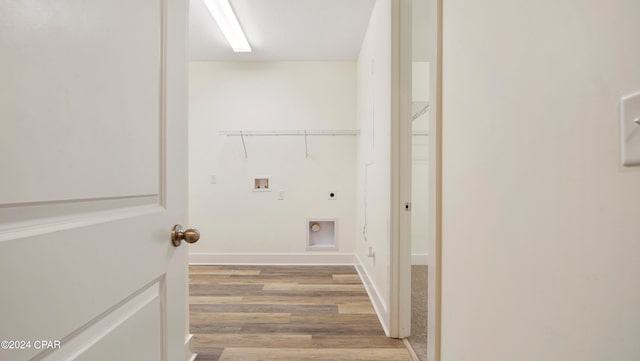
(630, 130)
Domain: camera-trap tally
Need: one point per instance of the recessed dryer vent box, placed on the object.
(322, 234)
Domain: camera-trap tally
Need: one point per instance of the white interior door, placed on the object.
(92, 179)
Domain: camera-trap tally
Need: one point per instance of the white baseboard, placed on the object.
(188, 354)
(296, 259)
(420, 259)
(378, 302)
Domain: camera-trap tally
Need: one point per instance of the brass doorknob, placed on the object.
(178, 234)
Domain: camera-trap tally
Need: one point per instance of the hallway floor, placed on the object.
(280, 313)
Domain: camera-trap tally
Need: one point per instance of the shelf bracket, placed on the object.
(306, 149)
(243, 145)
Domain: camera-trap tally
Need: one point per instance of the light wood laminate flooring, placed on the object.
(285, 313)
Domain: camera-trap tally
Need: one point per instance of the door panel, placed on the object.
(79, 73)
(102, 340)
(93, 145)
(108, 349)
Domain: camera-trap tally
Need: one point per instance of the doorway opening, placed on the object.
(421, 114)
(284, 135)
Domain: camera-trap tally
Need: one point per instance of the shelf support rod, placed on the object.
(243, 145)
(306, 149)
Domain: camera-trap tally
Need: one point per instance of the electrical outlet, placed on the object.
(280, 195)
(333, 195)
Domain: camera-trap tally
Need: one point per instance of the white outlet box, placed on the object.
(630, 129)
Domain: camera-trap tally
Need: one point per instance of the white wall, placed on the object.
(541, 242)
(373, 162)
(237, 223)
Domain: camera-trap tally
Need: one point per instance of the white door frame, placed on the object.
(400, 280)
(434, 292)
(401, 138)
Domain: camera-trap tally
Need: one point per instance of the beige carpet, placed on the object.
(418, 339)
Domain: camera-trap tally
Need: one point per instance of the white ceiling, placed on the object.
(284, 30)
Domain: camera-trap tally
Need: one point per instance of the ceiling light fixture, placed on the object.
(226, 19)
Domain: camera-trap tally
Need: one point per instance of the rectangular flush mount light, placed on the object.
(228, 23)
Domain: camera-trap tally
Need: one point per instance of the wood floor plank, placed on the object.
(207, 328)
(222, 271)
(265, 308)
(356, 307)
(346, 278)
(213, 300)
(231, 280)
(304, 354)
(240, 317)
(224, 290)
(333, 341)
(313, 287)
(205, 342)
(314, 328)
(285, 313)
(354, 319)
(304, 299)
